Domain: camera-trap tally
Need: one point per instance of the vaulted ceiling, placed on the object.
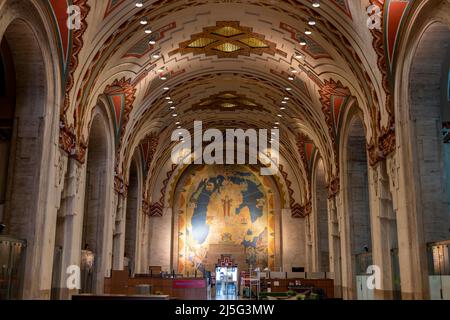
(293, 64)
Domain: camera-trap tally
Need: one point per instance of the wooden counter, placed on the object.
(183, 288)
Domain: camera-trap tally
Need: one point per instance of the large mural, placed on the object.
(225, 207)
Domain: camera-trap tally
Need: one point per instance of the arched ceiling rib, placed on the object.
(200, 51)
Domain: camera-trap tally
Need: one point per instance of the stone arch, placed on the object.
(425, 19)
(356, 219)
(320, 216)
(28, 122)
(98, 201)
(132, 225)
(427, 84)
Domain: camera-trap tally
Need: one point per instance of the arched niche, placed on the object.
(132, 225)
(320, 209)
(97, 225)
(25, 110)
(427, 87)
(223, 209)
(356, 206)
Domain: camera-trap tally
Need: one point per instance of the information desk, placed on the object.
(179, 288)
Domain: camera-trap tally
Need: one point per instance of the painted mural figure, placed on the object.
(227, 206)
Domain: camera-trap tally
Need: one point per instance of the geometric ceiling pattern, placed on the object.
(146, 45)
(227, 39)
(228, 100)
(312, 48)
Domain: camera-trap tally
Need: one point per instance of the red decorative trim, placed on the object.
(125, 87)
(329, 89)
(67, 135)
(77, 45)
(384, 141)
(301, 143)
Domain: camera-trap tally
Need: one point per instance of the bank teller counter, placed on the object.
(172, 285)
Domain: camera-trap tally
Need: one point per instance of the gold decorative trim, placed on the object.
(228, 39)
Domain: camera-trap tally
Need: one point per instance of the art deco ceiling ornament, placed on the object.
(228, 39)
(228, 100)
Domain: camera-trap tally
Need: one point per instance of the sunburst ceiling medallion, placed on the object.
(228, 39)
